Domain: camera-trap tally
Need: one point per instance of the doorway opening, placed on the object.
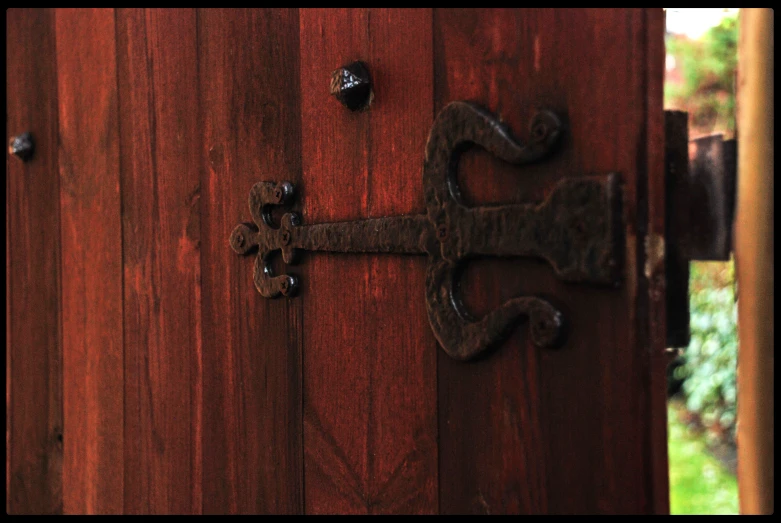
(701, 64)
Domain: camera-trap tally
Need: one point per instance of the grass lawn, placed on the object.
(699, 484)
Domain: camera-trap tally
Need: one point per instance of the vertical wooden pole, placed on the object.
(754, 258)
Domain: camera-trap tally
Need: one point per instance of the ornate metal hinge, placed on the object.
(577, 230)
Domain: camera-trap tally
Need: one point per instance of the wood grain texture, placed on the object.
(249, 102)
(33, 357)
(147, 375)
(657, 338)
(158, 107)
(490, 423)
(369, 361)
(91, 262)
(565, 431)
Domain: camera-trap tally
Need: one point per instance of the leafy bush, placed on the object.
(710, 361)
(707, 90)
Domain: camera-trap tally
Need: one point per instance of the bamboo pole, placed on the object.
(754, 261)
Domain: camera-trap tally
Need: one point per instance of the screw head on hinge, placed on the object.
(352, 86)
(22, 146)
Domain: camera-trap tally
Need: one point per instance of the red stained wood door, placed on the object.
(146, 374)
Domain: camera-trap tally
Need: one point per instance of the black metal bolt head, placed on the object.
(289, 286)
(22, 146)
(539, 131)
(352, 86)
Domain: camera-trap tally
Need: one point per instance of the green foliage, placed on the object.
(708, 67)
(698, 482)
(703, 84)
(710, 366)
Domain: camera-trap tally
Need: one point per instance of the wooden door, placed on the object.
(146, 374)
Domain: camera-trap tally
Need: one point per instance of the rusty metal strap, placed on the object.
(577, 230)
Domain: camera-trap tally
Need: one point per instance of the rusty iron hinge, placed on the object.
(578, 230)
(700, 181)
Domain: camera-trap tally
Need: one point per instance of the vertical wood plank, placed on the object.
(33, 358)
(657, 339)
(566, 431)
(158, 98)
(250, 117)
(92, 334)
(370, 357)
(491, 442)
